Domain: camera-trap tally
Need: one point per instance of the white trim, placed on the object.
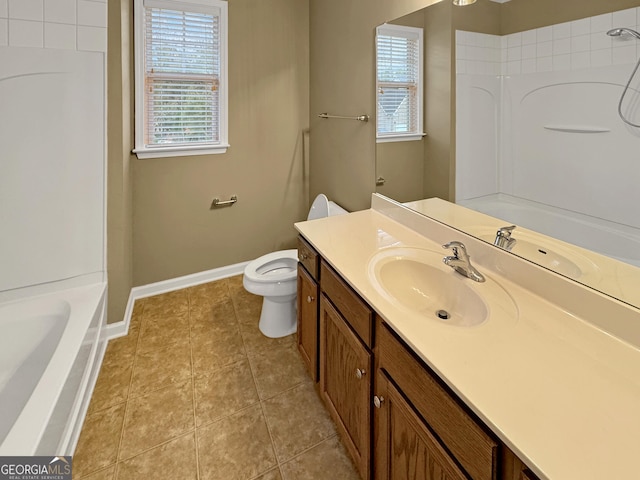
(415, 33)
(400, 137)
(74, 434)
(50, 287)
(120, 329)
(400, 30)
(187, 5)
(209, 6)
(183, 151)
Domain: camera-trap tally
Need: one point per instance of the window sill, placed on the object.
(409, 137)
(181, 151)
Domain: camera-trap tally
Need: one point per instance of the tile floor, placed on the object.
(195, 391)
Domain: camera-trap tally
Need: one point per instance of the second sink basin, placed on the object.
(416, 280)
(546, 252)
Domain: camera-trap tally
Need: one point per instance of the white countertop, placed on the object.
(561, 393)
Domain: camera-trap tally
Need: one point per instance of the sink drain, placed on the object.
(443, 315)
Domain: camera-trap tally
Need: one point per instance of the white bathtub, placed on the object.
(50, 350)
(617, 241)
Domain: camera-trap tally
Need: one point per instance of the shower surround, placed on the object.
(537, 119)
(52, 212)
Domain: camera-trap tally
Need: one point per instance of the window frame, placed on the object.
(143, 151)
(406, 32)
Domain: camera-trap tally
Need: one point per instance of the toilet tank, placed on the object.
(322, 207)
(335, 209)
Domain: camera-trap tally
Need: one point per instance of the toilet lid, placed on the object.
(319, 207)
(273, 267)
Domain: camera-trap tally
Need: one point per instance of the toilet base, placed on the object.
(278, 316)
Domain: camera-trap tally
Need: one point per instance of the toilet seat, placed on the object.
(273, 267)
(274, 277)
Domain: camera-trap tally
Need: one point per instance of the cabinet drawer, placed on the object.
(467, 440)
(308, 257)
(353, 309)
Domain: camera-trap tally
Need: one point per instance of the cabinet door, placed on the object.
(405, 448)
(308, 321)
(345, 383)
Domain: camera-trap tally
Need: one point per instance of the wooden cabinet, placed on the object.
(308, 321)
(308, 257)
(308, 306)
(469, 444)
(512, 468)
(405, 448)
(409, 425)
(346, 367)
(527, 474)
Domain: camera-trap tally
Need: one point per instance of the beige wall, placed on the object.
(439, 171)
(119, 134)
(342, 83)
(159, 222)
(401, 164)
(416, 170)
(343, 152)
(160, 225)
(174, 230)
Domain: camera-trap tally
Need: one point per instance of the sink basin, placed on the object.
(547, 254)
(417, 281)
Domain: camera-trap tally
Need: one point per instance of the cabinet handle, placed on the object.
(377, 401)
(303, 257)
(360, 373)
(310, 299)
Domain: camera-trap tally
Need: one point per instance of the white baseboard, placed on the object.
(119, 329)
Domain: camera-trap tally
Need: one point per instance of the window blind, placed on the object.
(398, 82)
(182, 75)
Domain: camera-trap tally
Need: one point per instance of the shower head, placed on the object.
(616, 32)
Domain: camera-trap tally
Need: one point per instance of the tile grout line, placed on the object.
(147, 450)
(158, 387)
(334, 435)
(115, 465)
(126, 403)
(255, 384)
(193, 388)
(131, 397)
(246, 342)
(224, 417)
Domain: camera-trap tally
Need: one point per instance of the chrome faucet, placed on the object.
(460, 261)
(503, 238)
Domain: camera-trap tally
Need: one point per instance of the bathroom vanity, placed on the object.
(519, 386)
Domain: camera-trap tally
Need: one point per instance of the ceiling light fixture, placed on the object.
(462, 3)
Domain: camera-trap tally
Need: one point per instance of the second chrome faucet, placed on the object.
(504, 239)
(461, 262)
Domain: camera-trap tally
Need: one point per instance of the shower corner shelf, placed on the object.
(577, 128)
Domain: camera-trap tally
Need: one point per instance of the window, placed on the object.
(399, 83)
(181, 77)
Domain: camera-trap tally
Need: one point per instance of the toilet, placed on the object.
(274, 277)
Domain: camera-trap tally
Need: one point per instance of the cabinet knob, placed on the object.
(310, 299)
(360, 373)
(303, 257)
(377, 401)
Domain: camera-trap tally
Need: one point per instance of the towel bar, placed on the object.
(360, 118)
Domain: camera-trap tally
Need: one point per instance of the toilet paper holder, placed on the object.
(226, 203)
